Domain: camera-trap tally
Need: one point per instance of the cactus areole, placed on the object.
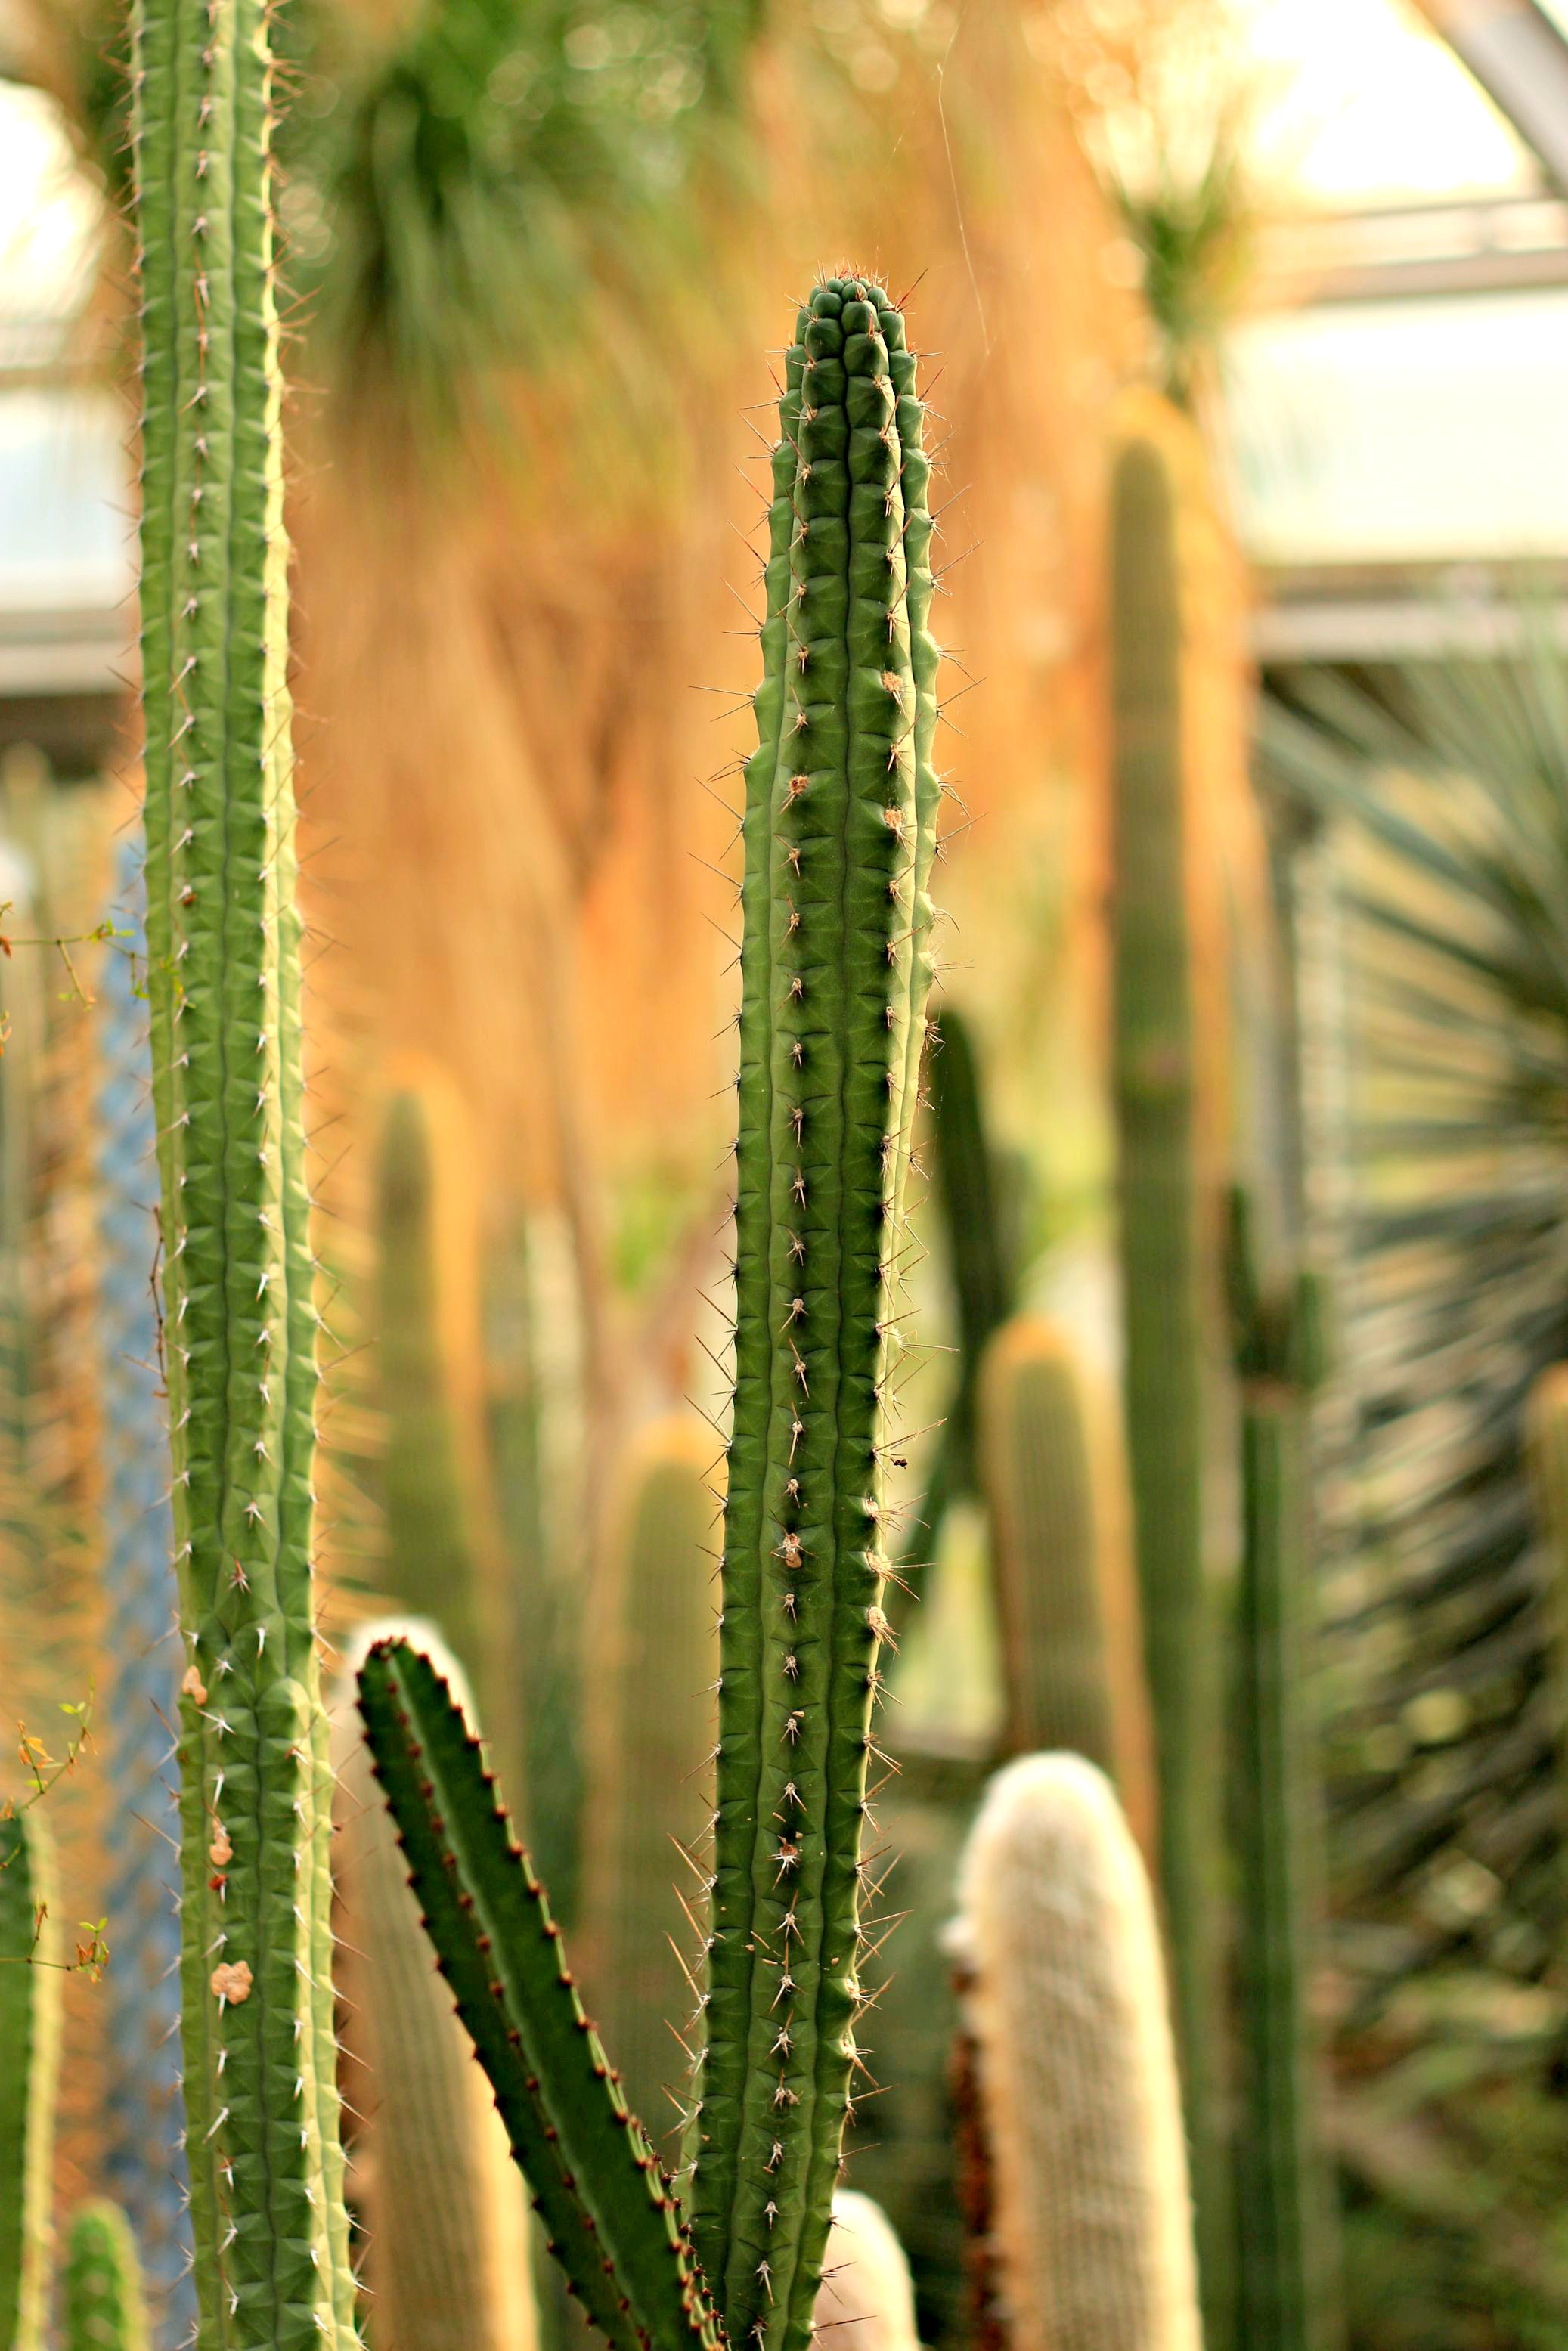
(839, 833)
(223, 934)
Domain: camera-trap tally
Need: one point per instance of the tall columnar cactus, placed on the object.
(1162, 1298)
(1288, 2267)
(1055, 1486)
(980, 1256)
(29, 2067)
(431, 2173)
(102, 2301)
(653, 1721)
(143, 2152)
(438, 1523)
(1065, 2003)
(239, 1317)
(840, 831)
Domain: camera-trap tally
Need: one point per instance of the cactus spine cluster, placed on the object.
(430, 2170)
(144, 2157)
(648, 1797)
(1065, 2000)
(1288, 2266)
(839, 834)
(1067, 1598)
(30, 2067)
(268, 2223)
(1162, 1298)
(102, 2307)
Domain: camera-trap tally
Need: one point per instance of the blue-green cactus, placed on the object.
(144, 2127)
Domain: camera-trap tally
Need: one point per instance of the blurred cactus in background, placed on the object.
(431, 2177)
(143, 2152)
(442, 1558)
(1164, 1300)
(652, 1714)
(1055, 1484)
(981, 1251)
(100, 2289)
(1288, 2269)
(30, 1974)
(1064, 2001)
(866, 2298)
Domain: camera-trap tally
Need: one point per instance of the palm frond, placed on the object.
(1445, 785)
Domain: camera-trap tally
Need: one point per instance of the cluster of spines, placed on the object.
(240, 1316)
(840, 832)
(101, 2300)
(593, 2171)
(144, 2160)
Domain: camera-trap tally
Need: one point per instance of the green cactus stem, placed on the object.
(980, 1262)
(29, 2070)
(1288, 2267)
(1064, 2001)
(1067, 1595)
(440, 1536)
(1163, 1300)
(103, 2306)
(651, 1737)
(840, 834)
(612, 2215)
(223, 931)
(431, 2173)
(840, 831)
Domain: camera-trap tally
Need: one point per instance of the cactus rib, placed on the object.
(588, 2161)
(268, 2222)
(102, 2303)
(839, 827)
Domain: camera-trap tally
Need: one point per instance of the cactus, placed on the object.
(441, 1552)
(1065, 2000)
(839, 834)
(652, 1735)
(268, 2223)
(980, 1259)
(1163, 1300)
(143, 2152)
(1288, 2267)
(430, 2170)
(30, 2067)
(1067, 1596)
(866, 2296)
(103, 2309)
